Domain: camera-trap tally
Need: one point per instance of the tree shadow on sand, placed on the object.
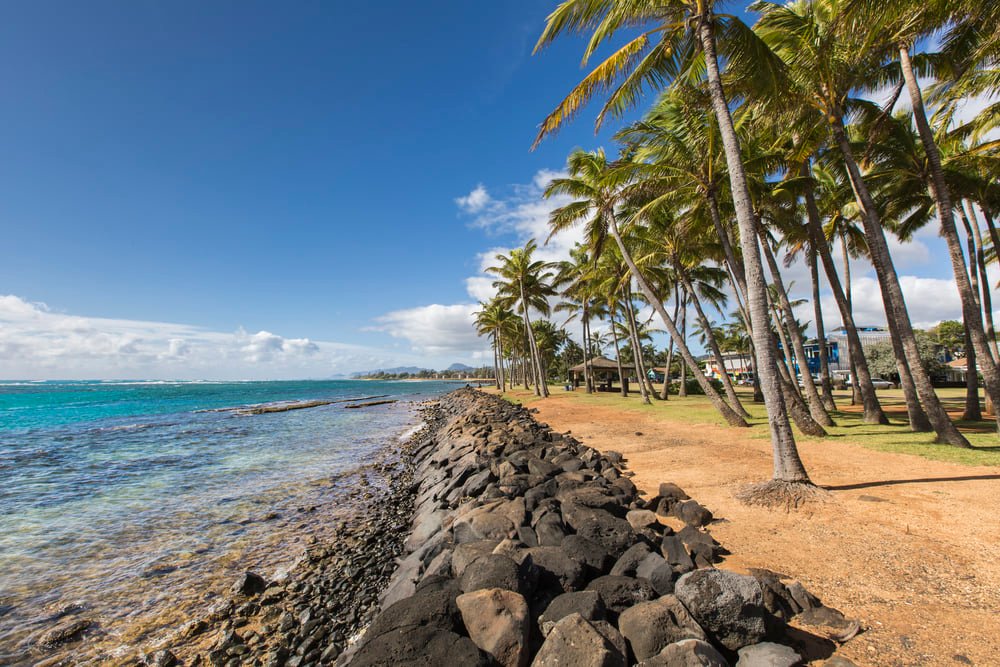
(919, 480)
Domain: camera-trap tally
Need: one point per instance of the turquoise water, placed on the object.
(133, 503)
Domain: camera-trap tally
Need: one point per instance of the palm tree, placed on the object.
(522, 281)
(496, 321)
(825, 57)
(596, 189)
(576, 277)
(687, 27)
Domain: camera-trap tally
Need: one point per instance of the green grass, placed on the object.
(894, 437)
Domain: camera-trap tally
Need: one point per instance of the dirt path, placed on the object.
(909, 546)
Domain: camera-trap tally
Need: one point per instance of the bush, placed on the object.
(693, 387)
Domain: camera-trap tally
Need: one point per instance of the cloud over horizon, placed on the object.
(39, 343)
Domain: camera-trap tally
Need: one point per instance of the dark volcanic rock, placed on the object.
(620, 593)
(556, 570)
(627, 564)
(574, 642)
(494, 571)
(589, 553)
(687, 653)
(497, 621)
(728, 606)
(650, 627)
(767, 654)
(586, 603)
(691, 513)
(249, 584)
(419, 645)
(612, 533)
(657, 571)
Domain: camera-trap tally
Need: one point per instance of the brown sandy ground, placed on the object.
(908, 545)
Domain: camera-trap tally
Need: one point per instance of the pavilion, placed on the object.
(605, 371)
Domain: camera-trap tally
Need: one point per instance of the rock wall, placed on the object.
(528, 547)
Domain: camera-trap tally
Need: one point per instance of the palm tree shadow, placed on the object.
(919, 480)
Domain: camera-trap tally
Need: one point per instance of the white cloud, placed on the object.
(436, 329)
(38, 343)
(475, 201)
(928, 301)
(523, 215)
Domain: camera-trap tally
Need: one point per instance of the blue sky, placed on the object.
(251, 189)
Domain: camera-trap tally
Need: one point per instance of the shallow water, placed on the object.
(135, 504)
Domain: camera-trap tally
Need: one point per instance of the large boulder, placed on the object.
(612, 533)
(496, 571)
(591, 554)
(640, 519)
(728, 606)
(687, 653)
(433, 605)
(649, 627)
(657, 571)
(482, 524)
(692, 513)
(465, 553)
(423, 645)
(497, 621)
(586, 603)
(620, 593)
(574, 642)
(628, 562)
(556, 570)
(767, 654)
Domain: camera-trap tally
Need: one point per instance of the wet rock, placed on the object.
(768, 654)
(249, 584)
(649, 627)
(586, 603)
(574, 642)
(431, 606)
(65, 633)
(162, 658)
(620, 593)
(497, 621)
(687, 653)
(728, 606)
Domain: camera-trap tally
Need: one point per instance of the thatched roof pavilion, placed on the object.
(604, 369)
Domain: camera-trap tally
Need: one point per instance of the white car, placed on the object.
(879, 383)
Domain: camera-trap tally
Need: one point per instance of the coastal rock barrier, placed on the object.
(530, 548)
(490, 539)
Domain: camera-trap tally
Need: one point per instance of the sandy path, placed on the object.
(908, 545)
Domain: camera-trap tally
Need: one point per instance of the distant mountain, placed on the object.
(391, 371)
(460, 367)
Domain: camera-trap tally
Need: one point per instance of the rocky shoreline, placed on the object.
(486, 539)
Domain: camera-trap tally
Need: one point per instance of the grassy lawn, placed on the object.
(894, 437)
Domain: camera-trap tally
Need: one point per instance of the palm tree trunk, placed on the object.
(788, 466)
(503, 375)
(735, 266)
(665, 393)
(971, 315)
(636, 350)
(812, 397)
(713, 343)
(682, 389)
(854, 345)
(892, 294)
(496, 366)
(541, 389)
(586, 348)
(618, 352)
(974, 241)
(984, 280)
(919, 422)
(824, 359)
(730, 415)
(786, 349)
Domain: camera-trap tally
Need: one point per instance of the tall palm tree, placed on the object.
(523, 281)
(496, 321)
(825, 57)
(596, 190)
(686, 27)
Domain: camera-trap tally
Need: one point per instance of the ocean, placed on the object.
(135, 505)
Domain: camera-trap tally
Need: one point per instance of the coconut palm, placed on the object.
(825, 57)
(496, 321)
(523, 281)
(596, 190)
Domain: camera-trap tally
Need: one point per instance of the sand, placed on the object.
(909, 546)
